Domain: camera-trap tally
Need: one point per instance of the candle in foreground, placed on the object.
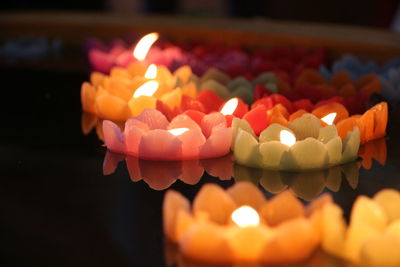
(240, 225)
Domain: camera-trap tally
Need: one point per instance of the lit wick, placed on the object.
(287, 138)
(245, 216)
(329, 119)
(143, 46)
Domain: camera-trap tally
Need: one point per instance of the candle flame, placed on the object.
(287, 138)
(151, 72)
(147, 89)
(245, 216)
(329, 119)
(230, 106)
(178, 131)
(143, 46)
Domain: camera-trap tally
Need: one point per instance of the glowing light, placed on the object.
(245, 216)
(230, 106)
(147, 89)
(178, 131)
(329, 119)
(143, 46)
(151, 72)
(287, 138)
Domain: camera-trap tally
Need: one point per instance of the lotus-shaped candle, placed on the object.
(372, 237)
(240, 225)
(303, 145)
(151, 136)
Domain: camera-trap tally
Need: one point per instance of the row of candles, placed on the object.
(162, 175)
(236, 62)
(167, 119)
(240, 225)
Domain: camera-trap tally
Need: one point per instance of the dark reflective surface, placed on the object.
(58, 209)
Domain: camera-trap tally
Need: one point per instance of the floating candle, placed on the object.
(151, 136)
(276, 148)
(161, 175)
(372, 238)
(225, 227)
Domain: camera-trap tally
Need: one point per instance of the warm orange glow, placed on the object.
(178, 131)
(143, 46)
(230, 106)
(287, 138)
(151, 72)
(329, 119)
(245, 216)
(147, 89)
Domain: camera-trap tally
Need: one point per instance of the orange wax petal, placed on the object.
(137, 105)
(380, 119)
(120, 89)
(273, 212)
(281, 109)
(297, 114)
(333, 107)
(137, 69)
(96, 78)
(119, 72)
(183, 73)
(318, 203)
(340, 79)
(309, 77)
(113, 108)
(190, 90)
(368, 119)
(246, 193)
(372, 87)
(173, 203)
(348, 124)
(347, 90)
(88, 96)
(275, 116)
(294, 241)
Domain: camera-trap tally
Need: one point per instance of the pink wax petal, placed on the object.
(113, 137)
(160, 145)
(211, 120)
(133, 122)
(192, 172)
(132, 163)
(192, 141)
(153, 118)
(160, 175)
(124, 59)
(218, 144)
(183, 121)
(133, 136)
(111, 161)
(219, 167)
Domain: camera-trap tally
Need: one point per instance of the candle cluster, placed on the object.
(240, 225)
(372, 237)
(161, 175)
(303, 145)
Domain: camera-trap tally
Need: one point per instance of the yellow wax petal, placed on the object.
(327, 133)
(368, 212)
(334, 147)
(137, 105)
(333, 230)
(172, 99)
(381, 251)
(183, 73)
(272, 133)
(271, 154)
(351, 144)
(240, 124)
(306, 126)
(246, 150)
(190, 90)
(389, 200)
(394, 228)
